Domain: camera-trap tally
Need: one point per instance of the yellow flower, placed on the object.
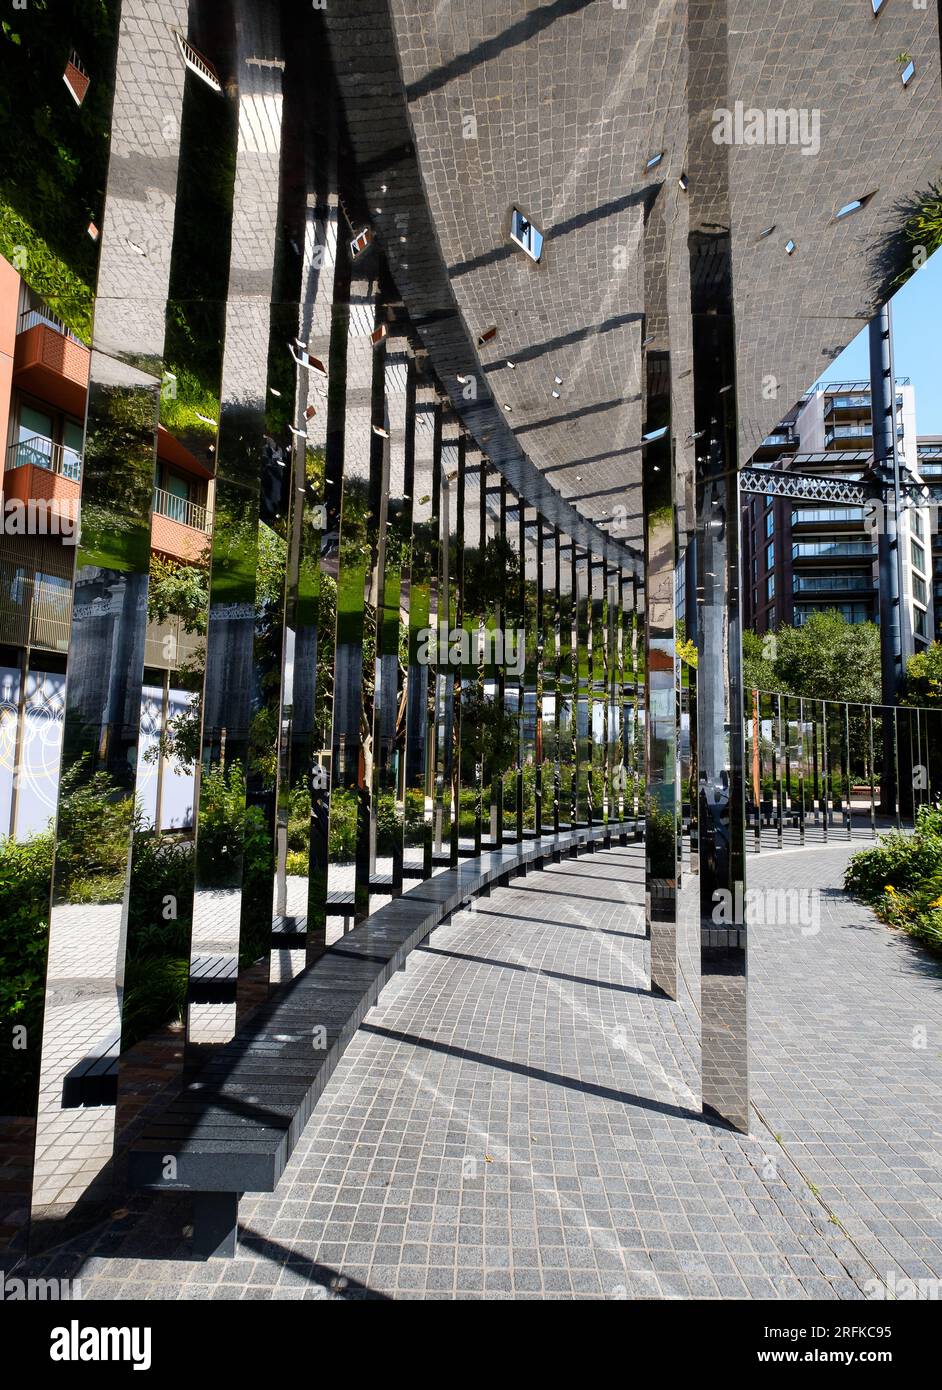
(889, 888)
(936, 902)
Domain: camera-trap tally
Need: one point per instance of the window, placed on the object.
(919, 589)
(770, 588)
(919, 622)
(769, 524)
(908, 73)
(770, 555)
(917, 554)
(915, 522)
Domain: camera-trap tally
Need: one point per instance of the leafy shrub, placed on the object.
(154, 994)
(901, 878)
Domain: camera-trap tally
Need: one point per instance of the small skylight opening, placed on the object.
(383, 434)
(908, 73)
(555, 395)
(684, 182)
(654, 161)
(651, 435)
(525, 235)
(196, 62)
(508, 408)
(766, 231)
(558, 380)
(877, 6)
(790, 247)
(511, 365)
(378, 334)
(487, 335)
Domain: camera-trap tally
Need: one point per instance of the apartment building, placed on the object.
(44, 369)
(800, 558)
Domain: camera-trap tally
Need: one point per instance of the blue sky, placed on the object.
(917, 340)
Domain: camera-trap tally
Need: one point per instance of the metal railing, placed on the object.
(40, 452)
(31, 318)
(807, 516)
(35, 609)
(808, 550)
(832, 583)
(829, 762)
(181, 509)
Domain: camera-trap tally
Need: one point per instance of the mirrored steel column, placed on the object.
(96, 813)
(719, 671)
(471, 782)
(232, 930)
(661, 703)
(389, 725)
(349, 843)
(566, 685)
(423, 619)
(583, 681)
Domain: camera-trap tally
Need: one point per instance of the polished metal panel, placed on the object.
(582, 771)
(471, 755)
(661, 810)
(88, 925)
(389, 724)
(363, 458)
(423, 619)
(448, 676)
(566, 716)
(725, 1060)
(531, 733)
(230, 926)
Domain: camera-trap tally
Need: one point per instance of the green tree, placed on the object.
(826, 658)
(758, 672)
(923, 684)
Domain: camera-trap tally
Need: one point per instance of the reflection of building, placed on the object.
(43, 385)
(800, 558)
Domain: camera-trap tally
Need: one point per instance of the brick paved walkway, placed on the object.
(520, 1118)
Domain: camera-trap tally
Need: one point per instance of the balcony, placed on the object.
(180, 529)
(41, 471)
(832, 550)
(50, 362)
(35, 609)
(828, 516)
(833, 584)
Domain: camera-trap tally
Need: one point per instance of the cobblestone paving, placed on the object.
(519, 1118)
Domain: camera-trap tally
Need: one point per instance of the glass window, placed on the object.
(919, 589)
(769, 524)
(919, 622)
(915, 521)
(918, 554)
(770, 587)
(770, 555)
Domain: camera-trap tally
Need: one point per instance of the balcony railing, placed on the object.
(35, 609)
(30, 318)
(813, 550)
(181, 509)
(809, 516)
(779, 437)
(832, 583)
(40, 452)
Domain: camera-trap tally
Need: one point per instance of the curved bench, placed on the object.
(233, 1127)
